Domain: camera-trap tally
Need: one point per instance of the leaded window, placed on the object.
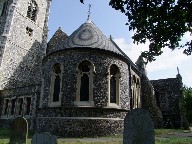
(56, 82)
(85, 73)
(114, 84)
(84, 94)
(135, 91)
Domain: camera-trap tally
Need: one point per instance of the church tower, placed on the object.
(23, 40)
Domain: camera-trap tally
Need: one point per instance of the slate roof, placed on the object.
(88, 35)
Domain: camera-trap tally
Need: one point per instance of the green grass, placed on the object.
(159, 132)
(5, 133)
(174, 141)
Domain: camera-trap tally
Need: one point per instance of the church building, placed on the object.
(75, 85)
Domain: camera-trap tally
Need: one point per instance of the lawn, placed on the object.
(4, 138)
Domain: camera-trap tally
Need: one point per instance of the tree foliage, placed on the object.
(187, 102)
(162, 22)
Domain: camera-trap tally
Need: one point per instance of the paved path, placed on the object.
(170, 135)
(177, 135)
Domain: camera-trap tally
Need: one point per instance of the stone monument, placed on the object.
(19, 131)
(44, 138)
(138, 128)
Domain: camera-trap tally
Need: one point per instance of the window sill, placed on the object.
(55, 104)
(113, 105)
(84, 103)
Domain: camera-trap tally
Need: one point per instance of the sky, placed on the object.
(70, 14)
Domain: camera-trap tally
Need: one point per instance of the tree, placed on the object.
(187, 102)
(162, 22)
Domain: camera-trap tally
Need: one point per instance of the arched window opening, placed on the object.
(32, 10)
(135, 92)
(114, 84)
(84, 94)
(84, 68)
(56, 84)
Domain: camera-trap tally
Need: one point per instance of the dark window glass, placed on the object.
(29, 31)
(57, 68)
(84, 66)
(84, 91)
(6, 106)
(28, 105)
(13, 106)
(112, 90)
(56, 89)
(20, 105)
(32, 10)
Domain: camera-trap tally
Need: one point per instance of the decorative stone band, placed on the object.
(82, 118)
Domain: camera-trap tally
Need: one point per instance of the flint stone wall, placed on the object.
(23, 54)
(6, 123)
(80, 127)
(30, 91)
(172, 88)
(70, 60)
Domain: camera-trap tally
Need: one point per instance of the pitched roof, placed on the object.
(57, 41)
(88, 35)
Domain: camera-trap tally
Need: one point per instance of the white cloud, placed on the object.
(167, 62)
(133, 51)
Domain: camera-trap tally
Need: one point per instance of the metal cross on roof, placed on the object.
(89, 12)
(178, 70)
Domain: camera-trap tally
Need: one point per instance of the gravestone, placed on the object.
(19, 131)
(44, 138)
(138, 128)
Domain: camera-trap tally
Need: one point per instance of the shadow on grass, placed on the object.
(5, 133)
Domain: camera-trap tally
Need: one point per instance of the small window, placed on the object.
(28, 105)
(29, 31)
(6, 107)
(135, 92)
(3, 8)
(20, 106)
(13, 104)
(163, 100)
(32, 10)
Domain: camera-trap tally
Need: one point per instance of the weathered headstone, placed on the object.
(19, 131)
(44, 138)
(138, 128)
